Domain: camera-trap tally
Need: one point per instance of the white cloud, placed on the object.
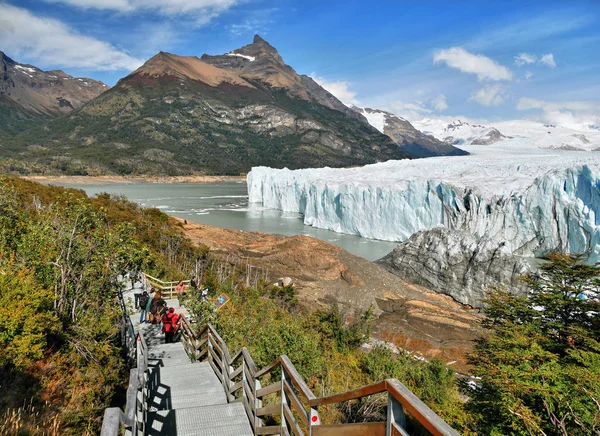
(203, 10)
(484, 67)
(53, 43)
(439, 102)
(408, 111)
(563, 112)
(490, 95)
(528, 75)
(534, 103)
(525, 58)
(548, 59)
(340, 89)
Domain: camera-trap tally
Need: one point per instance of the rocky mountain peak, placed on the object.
(46, 93)
(165, 64)
(259, 40)
(5, 59)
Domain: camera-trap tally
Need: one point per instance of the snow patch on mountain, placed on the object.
(530, 200)
(23, 68)
(375, 119)
(250, 58)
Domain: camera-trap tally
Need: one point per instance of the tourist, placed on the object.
(180, 288)
(142, 304)
(194, 284)
(157, 306)
(170, 322)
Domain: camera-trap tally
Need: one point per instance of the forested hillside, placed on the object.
(60, 253)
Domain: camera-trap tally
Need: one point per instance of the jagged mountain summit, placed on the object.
(215, 114)
(406, 136)
(261, 61)
(29, 95)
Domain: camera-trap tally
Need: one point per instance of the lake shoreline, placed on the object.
(96, 180)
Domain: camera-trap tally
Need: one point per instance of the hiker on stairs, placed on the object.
(171, 322)
(142, 304)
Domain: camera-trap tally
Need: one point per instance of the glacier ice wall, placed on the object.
(557, 209)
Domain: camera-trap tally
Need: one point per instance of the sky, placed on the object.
(481, 60)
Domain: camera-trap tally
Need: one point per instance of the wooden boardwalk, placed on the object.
(184, 398)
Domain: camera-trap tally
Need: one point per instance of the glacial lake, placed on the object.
(226, 205)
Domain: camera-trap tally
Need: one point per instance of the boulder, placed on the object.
(457, 264)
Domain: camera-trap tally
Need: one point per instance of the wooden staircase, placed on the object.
(196, 387)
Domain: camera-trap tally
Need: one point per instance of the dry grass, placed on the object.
(27, 420)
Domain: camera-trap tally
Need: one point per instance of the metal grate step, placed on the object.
(183, 387)
(220, 420)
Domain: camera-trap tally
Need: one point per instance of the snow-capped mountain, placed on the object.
(535, 134)
(402, 132)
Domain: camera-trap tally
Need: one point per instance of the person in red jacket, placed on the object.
(170, 321)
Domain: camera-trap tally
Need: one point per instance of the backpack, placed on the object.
(143, 301)
(169, 321)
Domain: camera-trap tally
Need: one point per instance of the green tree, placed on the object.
(540, 362)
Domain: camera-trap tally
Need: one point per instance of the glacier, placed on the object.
(530, 201)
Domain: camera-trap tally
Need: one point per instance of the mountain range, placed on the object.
(177, 115)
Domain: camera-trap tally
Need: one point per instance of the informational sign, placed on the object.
(221, 300)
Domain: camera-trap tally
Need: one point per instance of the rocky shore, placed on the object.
(411, 317)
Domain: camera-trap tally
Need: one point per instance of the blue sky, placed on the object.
(479, 59)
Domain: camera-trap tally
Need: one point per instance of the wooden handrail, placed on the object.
(252, 398)
(364, 391)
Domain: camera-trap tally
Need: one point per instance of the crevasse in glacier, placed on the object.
(532, 204)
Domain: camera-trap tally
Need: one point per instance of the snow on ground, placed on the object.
(22, 68)
(250, 58)
(527, 133)
(530, 199)
(375, 118)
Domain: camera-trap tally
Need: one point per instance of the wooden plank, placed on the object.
(269, 430)
(269, 367)
(275, 387)
(249, 378)
(215, 345)
(235, 387)
(250, 363)
(202, 353)
(398, 431)
(249, 412)
(289, 417)
(237, 372)
(296, 378)
(360, 429)
(419, 410)
(249, 394)
(223, 345)
(295, 402)
(111, 422)
(271, 409)
(217, 371)
(350, 395)
(216, 359)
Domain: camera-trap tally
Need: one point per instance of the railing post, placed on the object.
(313, 419)
(210, 347)
(257, 403)
(284, 378)
(395, 416)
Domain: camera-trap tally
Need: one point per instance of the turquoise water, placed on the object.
(226, 205)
